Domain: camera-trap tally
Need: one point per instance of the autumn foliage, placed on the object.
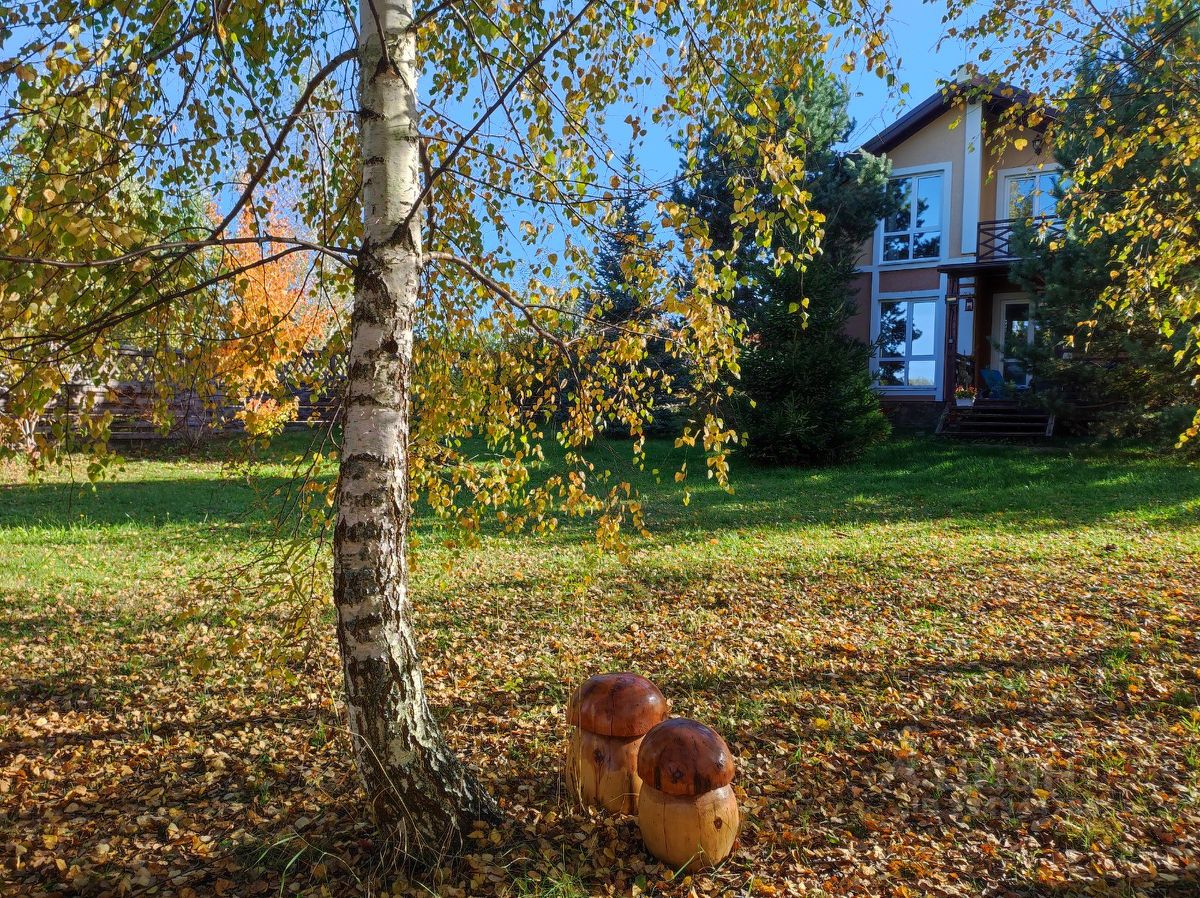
(268, 319)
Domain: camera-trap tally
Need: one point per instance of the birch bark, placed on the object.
(419, 792)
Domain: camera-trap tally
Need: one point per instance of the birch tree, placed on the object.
(1134, 202)
(447, 200)
(411, 776)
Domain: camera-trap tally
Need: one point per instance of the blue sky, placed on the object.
(917, 29)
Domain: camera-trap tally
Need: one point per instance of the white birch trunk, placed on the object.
(419, 792)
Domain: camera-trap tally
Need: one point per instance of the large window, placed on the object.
(907, 343)
(1033, 195)
(915, 230)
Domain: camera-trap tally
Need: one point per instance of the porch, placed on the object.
(995, 419)
(986, 310)
(985, 313)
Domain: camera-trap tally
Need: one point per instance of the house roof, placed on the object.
(995, 96)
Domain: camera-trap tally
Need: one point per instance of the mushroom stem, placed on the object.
(602, 771)
(689, 832)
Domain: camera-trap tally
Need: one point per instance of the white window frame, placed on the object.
(945, 170)
(1024, 171)
(938, 330)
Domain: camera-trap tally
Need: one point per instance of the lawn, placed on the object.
(944, 670)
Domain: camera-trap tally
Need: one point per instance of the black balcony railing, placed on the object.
(996, 240)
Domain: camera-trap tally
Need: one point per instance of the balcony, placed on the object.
(995, 239)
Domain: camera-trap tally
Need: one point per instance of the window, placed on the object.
(907, 343)
(915, 230)
(1033, 195)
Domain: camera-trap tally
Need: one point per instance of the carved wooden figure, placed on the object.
(687, 810)
(610, 713)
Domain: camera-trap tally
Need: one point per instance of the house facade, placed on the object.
(933, 288)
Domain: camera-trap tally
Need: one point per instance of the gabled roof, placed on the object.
(994, 95)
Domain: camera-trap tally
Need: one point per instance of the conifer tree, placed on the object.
(1106, 368)
(806, 395)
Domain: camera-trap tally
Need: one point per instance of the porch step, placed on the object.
(996, 419)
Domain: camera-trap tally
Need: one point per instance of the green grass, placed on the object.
(159, 518)
(173, 518)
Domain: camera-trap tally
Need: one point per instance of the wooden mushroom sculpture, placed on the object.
(687, 810)
(610, 713)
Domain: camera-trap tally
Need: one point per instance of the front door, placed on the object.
(1012, 329)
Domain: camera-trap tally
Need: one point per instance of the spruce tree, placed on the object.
(628, 258)
(620, 254)
(806, 395)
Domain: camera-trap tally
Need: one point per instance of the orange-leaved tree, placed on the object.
(269, 319)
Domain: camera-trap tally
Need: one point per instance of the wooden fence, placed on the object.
(134, 392)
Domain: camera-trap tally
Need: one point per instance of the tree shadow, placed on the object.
(1184, 886)
(146, 503)
(171, 776)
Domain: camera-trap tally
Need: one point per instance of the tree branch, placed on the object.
(181, 247)
(383, 45)
(112, 320)
(510, 298)
(533, 61)
(423, 17)
(264, 166)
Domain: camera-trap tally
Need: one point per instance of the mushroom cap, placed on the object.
(616, 704)
(683, 757)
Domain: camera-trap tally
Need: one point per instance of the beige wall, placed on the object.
(998, 158)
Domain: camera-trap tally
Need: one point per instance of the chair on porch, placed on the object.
(993, 382)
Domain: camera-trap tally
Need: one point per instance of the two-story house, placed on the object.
(934, 289)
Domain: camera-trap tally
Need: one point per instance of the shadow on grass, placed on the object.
(1186, 886)
(49, 745)
(139, 503)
